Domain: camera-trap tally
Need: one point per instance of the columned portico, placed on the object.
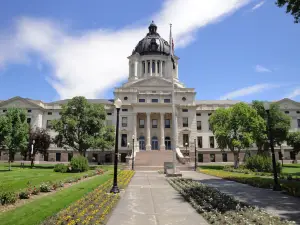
(148, 141)
(162, 132)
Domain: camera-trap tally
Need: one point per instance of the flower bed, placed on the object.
(291, 187)
(221, 209)
(44, 187)
(94, 207)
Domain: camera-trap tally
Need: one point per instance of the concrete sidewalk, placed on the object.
(150, 200)
(275, 203)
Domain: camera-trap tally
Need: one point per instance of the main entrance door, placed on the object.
(154, 143)
(142, 143)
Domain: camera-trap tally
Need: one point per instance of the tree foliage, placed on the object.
(82, 126)
(14, 131)
(279, 125)
(293, 140)
(42, 141)
(236, 128)
(292, 7)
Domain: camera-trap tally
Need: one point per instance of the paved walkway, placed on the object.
(283, 205)
(150, 200)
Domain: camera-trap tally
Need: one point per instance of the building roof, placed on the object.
(216, 102)
(152, 44)
(95, 101)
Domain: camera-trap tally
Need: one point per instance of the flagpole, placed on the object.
(173, 104)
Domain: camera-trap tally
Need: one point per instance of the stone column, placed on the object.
(160, 69)
(151, 67)
(162, 131)
(135, 70)
(148, 145)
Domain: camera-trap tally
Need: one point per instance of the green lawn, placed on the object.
(38, 210)
(19, 177)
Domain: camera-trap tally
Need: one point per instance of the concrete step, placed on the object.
(157, 168)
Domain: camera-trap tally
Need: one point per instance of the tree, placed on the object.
(236, 128)
(42, 141)
(292, 6)
(279, 126)
(293, 140)
(14, 132)
(82, 126)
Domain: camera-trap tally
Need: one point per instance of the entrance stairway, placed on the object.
(154, 161)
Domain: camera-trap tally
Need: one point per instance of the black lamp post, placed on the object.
(195, 154)
(132, 165)
(115, 189)
(276, 186)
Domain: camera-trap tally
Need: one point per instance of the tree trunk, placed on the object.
(32, 161)
(9, 162)
(236, 159)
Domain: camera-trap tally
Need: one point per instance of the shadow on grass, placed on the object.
(212, 167)
(291, 166)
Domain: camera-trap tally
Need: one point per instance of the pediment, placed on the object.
(18, 102)
(151, 82)
(287, 103)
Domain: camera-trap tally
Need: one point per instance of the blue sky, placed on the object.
(235, 49)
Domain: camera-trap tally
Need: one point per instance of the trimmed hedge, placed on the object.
(259, 163)
(60, 168)
(79, 164)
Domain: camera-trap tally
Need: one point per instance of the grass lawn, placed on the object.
(38, 210)
(19, 177)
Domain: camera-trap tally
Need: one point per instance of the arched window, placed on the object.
(144, 67)
(154, 144)
(158, 66)
(142, 143)
(168, 143)
(163, 68)
(153, 66)
(148, 69)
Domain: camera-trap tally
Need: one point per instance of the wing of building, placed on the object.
(146, 112)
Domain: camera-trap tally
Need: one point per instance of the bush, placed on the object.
(7, 197)
(35, 191)
(24, 195)
(60, 168)
(259, 163)
(79, 164)
(45, 187)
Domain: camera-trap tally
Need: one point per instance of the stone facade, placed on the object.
(146, 113)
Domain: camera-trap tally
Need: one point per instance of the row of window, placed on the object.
(212, 157)
(166, 100)
(288, 112)
(29, 111)
(211, 142)
(199, 125)
(142, 123)
(155, 64)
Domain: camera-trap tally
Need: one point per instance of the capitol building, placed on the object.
(146, 112)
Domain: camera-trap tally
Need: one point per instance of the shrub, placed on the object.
(259, 163)
(45, 187)
(79, 164)
(24, 195)
(60, 168)
(35, 191)
(7, 196)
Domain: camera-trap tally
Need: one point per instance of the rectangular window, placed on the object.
(124, 110)
(167, 123)
(59, 113)
(212, 142)
(142, 124)
(4, 110)
(148, 68)
(48, 125)
(198, 114)
(29, 110)
(49, 113)
(286, 112)
(124, 121)
(209, 114)
(185, 139)
(154, 100)
(212, 157)
(167, 100)
(124, 140)
(200, 157)
(58, 157)
(70, 156)
(209, 126)
(185, 121)
(28, 120)
(199, 127)
(199, 140)
(224, 157)
(142, 100)
(144, 67)
(154, 123)
(298, 112)
(185, 110)
(298, 123)
(109, 114)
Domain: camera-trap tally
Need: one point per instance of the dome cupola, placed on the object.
(152, 44)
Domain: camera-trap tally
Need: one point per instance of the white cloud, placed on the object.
(294, 93)
(262, 69)
(248, 91)
(95, 60)
(257, 6)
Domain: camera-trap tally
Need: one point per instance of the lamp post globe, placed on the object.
(115, 188)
